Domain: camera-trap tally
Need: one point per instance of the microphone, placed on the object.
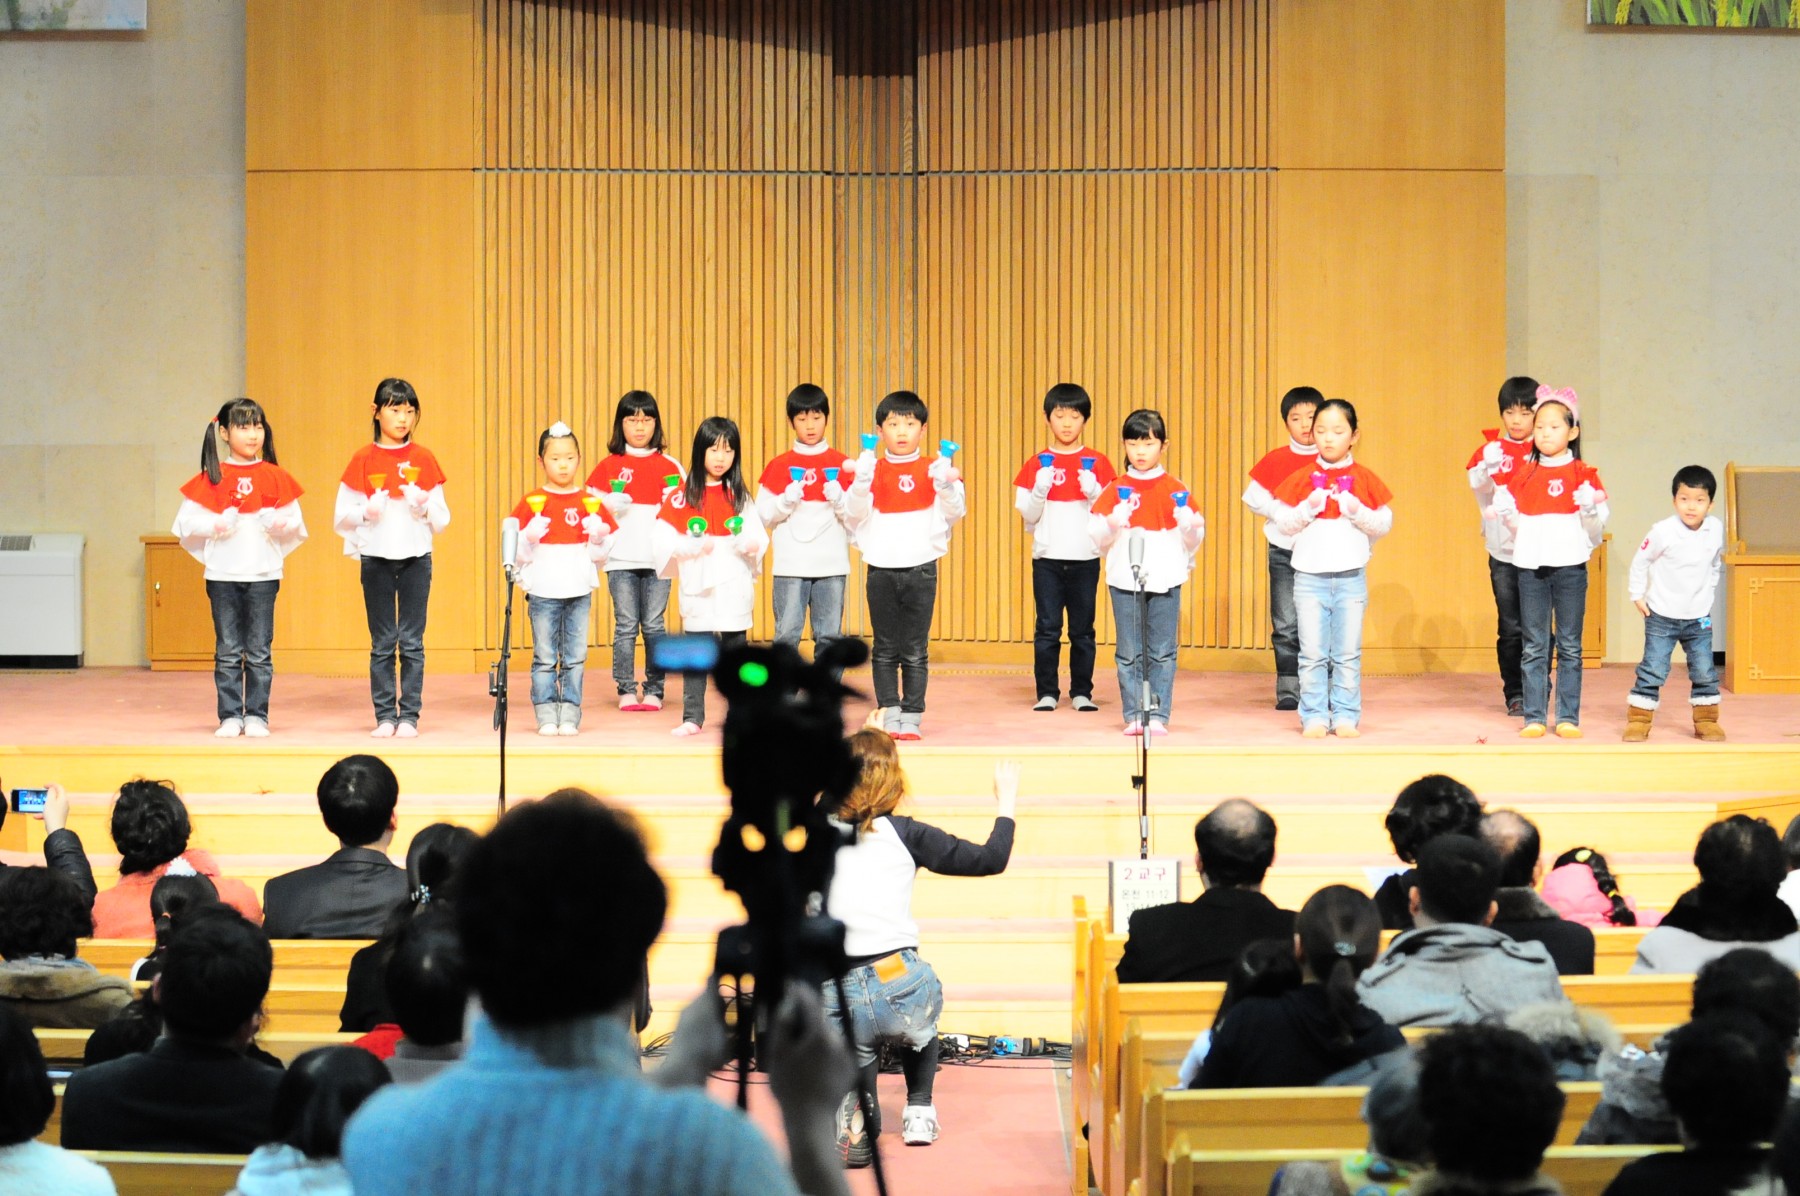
(1134, 552)
(509, 548)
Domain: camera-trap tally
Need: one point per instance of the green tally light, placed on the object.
(753, 673)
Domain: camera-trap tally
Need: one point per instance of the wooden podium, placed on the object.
(1762, 553)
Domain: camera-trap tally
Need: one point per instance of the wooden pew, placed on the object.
(138, 1174)
(1581, 1170)
(67, 1046)
(297, 961)
(53, 1128)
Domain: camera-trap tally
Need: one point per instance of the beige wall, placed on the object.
(121, 284)
(1653, 257)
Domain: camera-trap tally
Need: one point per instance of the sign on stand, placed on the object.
(1136, 884)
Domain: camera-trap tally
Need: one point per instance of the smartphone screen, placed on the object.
(29, 801)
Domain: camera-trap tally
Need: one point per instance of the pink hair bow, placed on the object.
(1565, 396)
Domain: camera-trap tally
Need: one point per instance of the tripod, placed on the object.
(497, 682)
(1140, 780)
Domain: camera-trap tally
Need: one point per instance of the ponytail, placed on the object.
(1620, 914)
(1341, 1001)
(209, 452)
(1340, 934)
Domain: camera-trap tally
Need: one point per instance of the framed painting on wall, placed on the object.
(1697, 14)
(72, 16)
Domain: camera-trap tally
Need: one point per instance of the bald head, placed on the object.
(1514, 839)
(1236, 843)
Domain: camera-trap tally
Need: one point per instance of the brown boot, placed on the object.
(1637, 723)
(1706, 723)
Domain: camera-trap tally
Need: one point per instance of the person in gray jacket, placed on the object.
(1452, 969)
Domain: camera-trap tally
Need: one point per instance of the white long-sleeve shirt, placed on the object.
(1676, 569)
(717, 589)
(1266, 477)
(1057, 518)
(1170, 541)
(1538, 502)
(896, 513)
(398, 534)
(1331, 540)
(249, 497)
(808, 536)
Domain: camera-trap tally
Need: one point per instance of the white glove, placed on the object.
(1041, 481)
(691, 547)
(416, 498)
(748, 547)
(865, 468)
(1492, 454)
(942, 473)
(1090, 485)
(376, 505)
(618, 503)
(1350, 506)
(595, 527)
(790, 497)
(536, 529)
(226, 523)
(1120, 517)
(1185, 518)
(834, 492)
(1314, 502)
(276, 526)
(1587, 498)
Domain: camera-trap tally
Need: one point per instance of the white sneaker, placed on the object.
(919, 1125)
(406, 731)
(686, 729)
(651, 702)
(256, 728)
(382, 731)
(547, 729)
(231, 728)
(567, 729)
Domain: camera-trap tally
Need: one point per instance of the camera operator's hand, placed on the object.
(809, 1073)
(56, 809)
(700, 1045)
(1006, 787)
(877, 720)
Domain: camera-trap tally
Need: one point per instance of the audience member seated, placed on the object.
(429, 991)
(551, 1087)
(29, 1167)
(1453, 968)
(1491, 1108)
(150, 828)
(1201, 939)
(1575, 1040)
(62, 847)
(1632, 1110)
(42, 915)
(1397, 1153)
(432, 859)
(1320, 1028)
(313, 1104)
(1265, 968)
(1736, 903)
(1790, 850)
(1431, 806)
(1582, 889)
(194, 1089)
(171, 898)
(1523, 915)
(1726, 1080)
(352, 892)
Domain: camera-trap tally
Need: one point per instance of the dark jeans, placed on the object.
(640, 599)
(1509, 642)
(1056, 587)
(1284, 623)
(395, 594)
(1660, 637)
(693, 685)
(900, 605)
(243, 630)
(1553, 595)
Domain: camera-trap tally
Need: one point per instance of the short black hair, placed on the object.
(902, 403)
(1750, 981)
(1515, 840)
(1456, 878)
(1490, 1101)
(149, 825)
(806, 397)
(1069, 396)
(357, 796)
(1299, 396)
(1790, 842)
(1518, 392)
(42, 912)
(215, 973)
(1431, 806)
(427, 984)
(1695, 477)
(26, 1081)
(1726, 1080)
(1740, 859)
(1236, 842)
(1145, 424)
(1264, 968)
(633, 402)
(565, 878)
(318, 1093)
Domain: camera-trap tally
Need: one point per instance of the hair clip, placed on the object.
(179, 866)
(560, 429)
(422, 895)
(1344, 949)
(1565, 396)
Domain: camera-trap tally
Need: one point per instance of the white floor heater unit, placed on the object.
(40, 600)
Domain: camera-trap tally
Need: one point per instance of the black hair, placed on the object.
(427, 984)
(902, 403)
(1740, 859)
(1431, 806)
(171, 899)
(1518, 392)
(634, 402)
(1790, 843)
(1145, 424)
(149, 825)
(1749, 980)
(1264, 968)
(215, 973)
(1456, 878)
(394, 392)
(1515, 840)
(1531, 457)
(1726, 1080)
(1490, 1101)
(433, 859)
(1344, 405)
(131, 1031)
(565, 878)
(1695, 477)
(1236, 842)
(1068, 396)
(1340, 935)
(318, 1092)
(42, 912)
(357, 796)
(1621, 914)
(716, 429)
(238, 413)
(1298, 396)
(546, 436)
(25, 1079)
(807, 397)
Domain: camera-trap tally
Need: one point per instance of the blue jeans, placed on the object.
(1284, 623)
(1330, 607)
(1660, 637)
(1555, 595)
(1131, 652)
(395, 594)
(640, 599)
(1058, 586)
(903, 1010)
(243, 632)
(559, 628)
(792, 597)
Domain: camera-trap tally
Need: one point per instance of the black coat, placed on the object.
(1197, 940)
(349, 895)
(1289, 1041)
(63, 853)
(1527, 918)
(177, 1096)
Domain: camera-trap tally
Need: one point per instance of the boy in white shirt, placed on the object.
(1674, 577)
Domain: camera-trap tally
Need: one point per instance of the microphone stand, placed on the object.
(497, 682)
(1146, 702)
